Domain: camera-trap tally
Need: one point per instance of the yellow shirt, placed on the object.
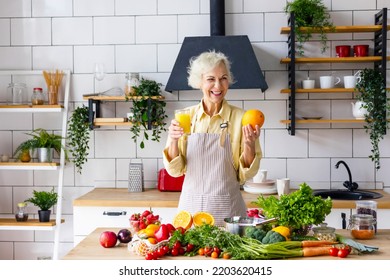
(203, 123)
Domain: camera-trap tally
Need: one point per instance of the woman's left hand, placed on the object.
(250, 135)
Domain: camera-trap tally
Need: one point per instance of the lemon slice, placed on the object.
(182, 219)
(201, 218)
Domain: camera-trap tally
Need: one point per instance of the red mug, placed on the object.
(360, 50)
(343, 51)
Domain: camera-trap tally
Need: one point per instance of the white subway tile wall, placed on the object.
(145, 37)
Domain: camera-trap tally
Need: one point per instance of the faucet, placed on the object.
(351, 186)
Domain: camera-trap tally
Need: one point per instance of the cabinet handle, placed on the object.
(114, 213)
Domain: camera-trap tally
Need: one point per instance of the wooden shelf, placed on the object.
(120, 98)
(334, 59)
(323, 121)
(30, 224)
(31, 108)
(339, 29)
(29, 165)
(318, 90)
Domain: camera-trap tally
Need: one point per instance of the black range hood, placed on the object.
(244, 66)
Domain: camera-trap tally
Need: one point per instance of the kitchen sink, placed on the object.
(347, 195)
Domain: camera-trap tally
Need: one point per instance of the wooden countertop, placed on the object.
(113, 197)
(90, 249)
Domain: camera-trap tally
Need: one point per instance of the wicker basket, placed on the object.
(142, 246)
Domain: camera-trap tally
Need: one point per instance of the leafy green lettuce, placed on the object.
(296, 210)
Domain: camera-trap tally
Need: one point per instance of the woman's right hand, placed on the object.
(175, 131)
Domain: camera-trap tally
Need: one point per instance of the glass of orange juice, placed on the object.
(184, 119)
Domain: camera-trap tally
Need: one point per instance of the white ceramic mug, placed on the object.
(306, 84)
(283, 186)
(350, 81)
(260, 177)
(329, 81)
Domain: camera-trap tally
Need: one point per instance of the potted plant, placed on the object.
(149, 105)
(44, 143)
(312, 14)
(78, 137)
(372, 94)
(44, 201)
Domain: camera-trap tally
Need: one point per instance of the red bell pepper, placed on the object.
(162, 233)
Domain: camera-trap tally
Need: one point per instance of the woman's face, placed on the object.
(215, 84)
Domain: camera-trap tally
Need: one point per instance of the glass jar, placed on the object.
(21, 213)
(17, 93)
(361, 226)
(323, 232)
(368, 207)
(37, 98)
(132, 80)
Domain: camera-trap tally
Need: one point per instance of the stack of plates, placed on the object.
(266, 187)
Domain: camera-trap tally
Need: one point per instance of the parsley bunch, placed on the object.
(297, 209)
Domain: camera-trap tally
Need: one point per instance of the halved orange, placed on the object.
(201, 218)
(182, 219)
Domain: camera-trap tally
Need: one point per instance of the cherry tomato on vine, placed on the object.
(201, 251)
(333, 251)
(226, 255)
(343, 252)
(174, 252)
(214, 255)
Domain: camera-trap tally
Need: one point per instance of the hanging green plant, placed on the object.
(149, 106)
(372, 92)
(312, 14)
(78, 137)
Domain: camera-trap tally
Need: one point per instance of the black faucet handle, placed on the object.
(354, 186)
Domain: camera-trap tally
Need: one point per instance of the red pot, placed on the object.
(343, 51)
(360, 50)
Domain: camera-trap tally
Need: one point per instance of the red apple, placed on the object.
(108, 239)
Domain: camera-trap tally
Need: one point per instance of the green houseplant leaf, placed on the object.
(313, 14)
(144, 108)
(78, 137)
(43, 199)
(372, 91)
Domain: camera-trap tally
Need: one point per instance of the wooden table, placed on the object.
(90, 249)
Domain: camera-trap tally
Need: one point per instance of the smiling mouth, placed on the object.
(217, 93)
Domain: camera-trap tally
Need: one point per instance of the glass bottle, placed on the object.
(37, 98)
(323, 232)
(21, 214)
(132, 80)
(361, 226)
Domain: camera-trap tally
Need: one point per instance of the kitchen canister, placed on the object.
(136, 177)
(17, 94)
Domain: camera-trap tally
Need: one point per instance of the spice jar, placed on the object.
(21, 214)
(132, 80)
(37, 98)
(323, 232)
(362, 226)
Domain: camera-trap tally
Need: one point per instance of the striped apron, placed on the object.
(210, 182)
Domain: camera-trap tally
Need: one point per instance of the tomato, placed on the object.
(161, 252)
(165, 249)
(343, 252)
(177, 245)
(216, 249)
(214, 255)
(333, 251)
(190, 247)
(149, 256)
(208, 251)
(226, 256)
(174, 252)
(181, 229)
(181, 251)
(201, 251)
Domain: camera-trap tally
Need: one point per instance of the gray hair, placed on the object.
(205, 62)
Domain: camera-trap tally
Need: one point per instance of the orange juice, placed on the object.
(184, 119)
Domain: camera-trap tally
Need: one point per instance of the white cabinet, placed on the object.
(86, 219)
(31, 224)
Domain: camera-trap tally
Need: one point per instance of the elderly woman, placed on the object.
(220, 154)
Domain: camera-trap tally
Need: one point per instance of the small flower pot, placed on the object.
(44, 215)
(45, 154)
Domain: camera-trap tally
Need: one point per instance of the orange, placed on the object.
(182, 219)
(201, 218)
(152, 240)
(253, 117)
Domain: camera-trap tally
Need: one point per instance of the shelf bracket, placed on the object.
(92, 113)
